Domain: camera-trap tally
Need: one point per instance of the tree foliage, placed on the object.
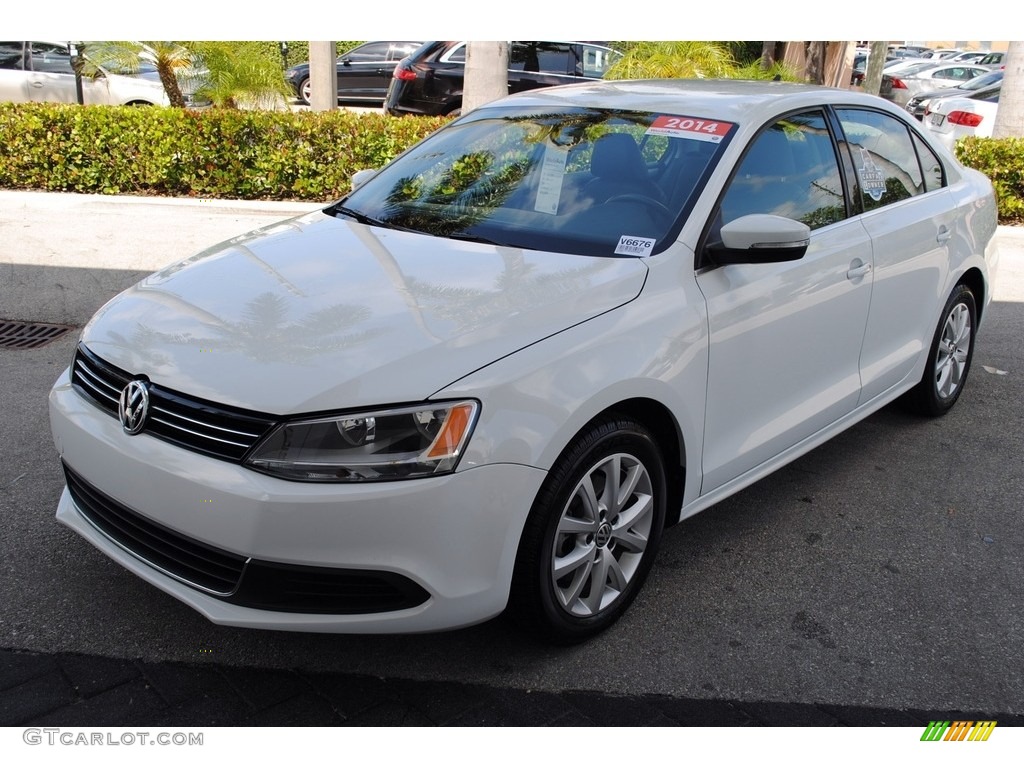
(240, 75)
(169, 57)
(688, 58)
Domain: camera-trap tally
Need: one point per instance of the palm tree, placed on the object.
(486, 73)
(240, 75)
(1010, 113)
(127, 56)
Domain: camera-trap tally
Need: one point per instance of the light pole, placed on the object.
(76, 66)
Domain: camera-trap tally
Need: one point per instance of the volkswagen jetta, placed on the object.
(490, 376)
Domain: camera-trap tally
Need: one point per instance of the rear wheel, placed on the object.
(949, 358)
(305, 91)
(592, 534)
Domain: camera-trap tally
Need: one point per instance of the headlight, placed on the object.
(392, 444)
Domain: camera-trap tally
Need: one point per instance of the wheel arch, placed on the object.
(658, 418)
(974, 280)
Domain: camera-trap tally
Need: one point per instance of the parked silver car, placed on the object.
(899, 87)
(38, 70)
(918, 105)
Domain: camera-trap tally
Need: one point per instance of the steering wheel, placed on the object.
(635, 197)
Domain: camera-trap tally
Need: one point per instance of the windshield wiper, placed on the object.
(362, 218)
(473, 238)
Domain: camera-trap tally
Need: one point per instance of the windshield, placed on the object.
(981, 81)
(595, 182)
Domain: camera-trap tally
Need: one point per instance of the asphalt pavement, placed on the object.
(874, 581)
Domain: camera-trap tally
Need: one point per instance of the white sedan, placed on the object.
(41, 71)
(955, 117)
(489, 377)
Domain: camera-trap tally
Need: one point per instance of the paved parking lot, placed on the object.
(881, 573)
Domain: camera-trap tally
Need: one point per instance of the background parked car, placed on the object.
(39, 70)
(364, 72)
(892, 64)
(954, 118)
(430, 80)
(919, 104)
(899, 87)
(994, 59)
(969, 56)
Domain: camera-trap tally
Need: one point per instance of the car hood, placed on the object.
(319, 313)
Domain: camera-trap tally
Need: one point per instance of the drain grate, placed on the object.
(18, 335)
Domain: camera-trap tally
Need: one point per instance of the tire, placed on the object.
(305, 91)
(586, 548)
(949, 357)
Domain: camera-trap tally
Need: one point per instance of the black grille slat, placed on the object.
(151, 542)
(196, 425)
(190, 561)
(237, 579)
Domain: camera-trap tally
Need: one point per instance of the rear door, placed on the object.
(364, 74)
(13, 76)
(51, 78)
(911, 218)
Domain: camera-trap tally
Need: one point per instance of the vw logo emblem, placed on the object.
(133, 406)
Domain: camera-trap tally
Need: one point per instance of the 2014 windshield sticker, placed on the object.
(689, 128)
(630, 245)
(872, 179)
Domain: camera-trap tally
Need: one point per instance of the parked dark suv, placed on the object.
(363, 72)
(429, 81)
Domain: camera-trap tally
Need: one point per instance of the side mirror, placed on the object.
(361, 177)
(760, 238)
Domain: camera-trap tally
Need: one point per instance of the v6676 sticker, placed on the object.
(630, 245)
(689, 128)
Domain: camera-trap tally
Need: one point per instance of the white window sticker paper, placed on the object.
(552, 172)
(630, 245)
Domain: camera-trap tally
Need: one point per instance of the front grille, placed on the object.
(206, 567)
(237, 579)
(197, 425)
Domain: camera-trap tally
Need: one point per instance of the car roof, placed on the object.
(735, 101)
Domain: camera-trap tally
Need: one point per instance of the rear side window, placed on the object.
(595, 61)
(539, 56)
(930, 165)
(370, 52)
(457, 55)
(885, 157)
(11, 55)
(47, 57)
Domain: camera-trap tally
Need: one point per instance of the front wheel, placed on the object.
(305, 91)
(949, 358)
(592, 533)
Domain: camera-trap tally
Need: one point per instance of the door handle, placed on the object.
(944, 234)
(859, 271)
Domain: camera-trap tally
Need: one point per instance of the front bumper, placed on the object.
(453, 537)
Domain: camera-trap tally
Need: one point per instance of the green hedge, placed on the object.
(271, 155)
(210, 153)
(1002, 160)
